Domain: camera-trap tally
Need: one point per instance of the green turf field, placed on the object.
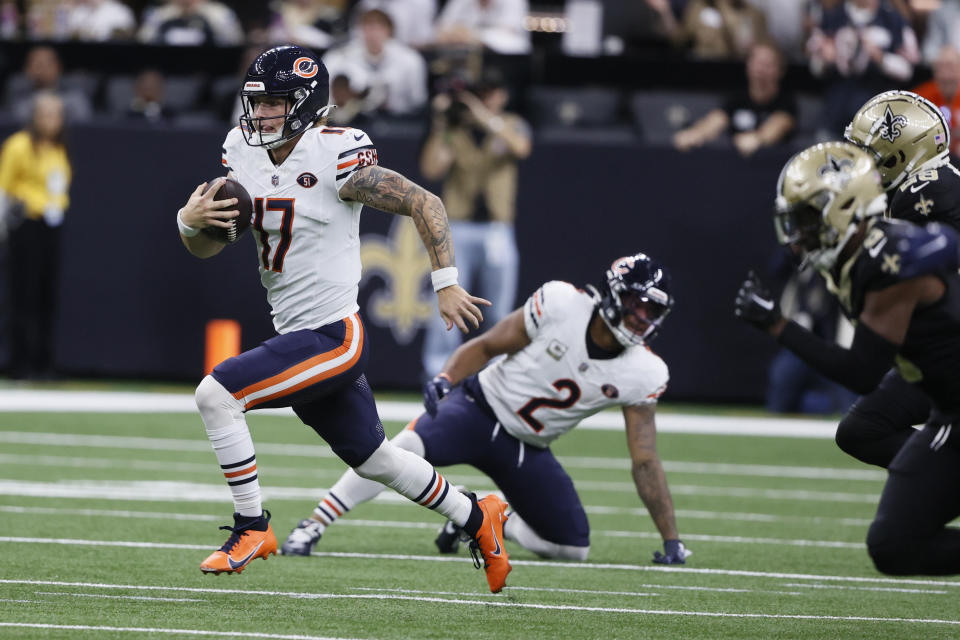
(104, 519)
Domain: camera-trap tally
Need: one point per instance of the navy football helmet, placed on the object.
(295, 74)
(634, 298)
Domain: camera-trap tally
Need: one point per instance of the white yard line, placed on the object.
(495, 603)
(109, 597)
(60, 440)
(205, 492)
(35, 400)
(179, 632)
(543, 564)
(839, 587)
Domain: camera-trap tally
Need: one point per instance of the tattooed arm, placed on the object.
(646, 468)
(389, 191)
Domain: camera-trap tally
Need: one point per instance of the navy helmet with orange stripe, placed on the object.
(634, 298)
(299, 77)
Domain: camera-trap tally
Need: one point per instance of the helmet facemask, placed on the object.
(289, 124)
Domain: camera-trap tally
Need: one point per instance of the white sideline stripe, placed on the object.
(548, 564)
(185, 632)
(323, 451)
(103, 595)
(203, 492)
(839, 587)
(517, 605)
(76, 462)
(651, 586)
(36, 400)
(351, 521)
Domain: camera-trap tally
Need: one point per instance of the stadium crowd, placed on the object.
(387, 57)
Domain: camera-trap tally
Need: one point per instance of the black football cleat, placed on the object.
(449, 538)
(302, 539)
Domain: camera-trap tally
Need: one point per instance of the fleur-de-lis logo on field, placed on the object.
(400, 261)
(892, 125)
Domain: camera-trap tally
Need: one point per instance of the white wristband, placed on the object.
(187, 232)
(443, 278)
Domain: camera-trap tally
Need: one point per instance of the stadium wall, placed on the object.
(135, 303)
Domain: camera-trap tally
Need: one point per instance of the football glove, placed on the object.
(674, 553)
(755, 305)
(434, 391)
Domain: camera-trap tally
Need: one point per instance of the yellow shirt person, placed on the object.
(36, 174)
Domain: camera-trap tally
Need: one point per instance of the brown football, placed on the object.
(233, 189)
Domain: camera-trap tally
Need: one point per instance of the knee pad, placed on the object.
(411, 441)
(217, 406)
(888, 554)
(383, 465)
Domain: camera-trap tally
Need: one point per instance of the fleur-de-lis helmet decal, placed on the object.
(891, 126)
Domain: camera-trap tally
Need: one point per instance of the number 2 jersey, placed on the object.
(308, 239)
(549, 386)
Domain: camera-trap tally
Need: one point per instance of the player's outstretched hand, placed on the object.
(674, 552)
(457, 307)
(755, 305)
(203, 211)
(434, 391)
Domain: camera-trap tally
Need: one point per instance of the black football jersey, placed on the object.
(893, 251)
(932, 195)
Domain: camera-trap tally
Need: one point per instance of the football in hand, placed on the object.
(232, 189)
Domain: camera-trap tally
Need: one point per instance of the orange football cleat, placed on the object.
(489, 543)
(246, 542)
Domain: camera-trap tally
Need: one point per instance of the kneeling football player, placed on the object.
(570, 353)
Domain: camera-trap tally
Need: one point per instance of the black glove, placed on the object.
(434, 391)
(674, 553)
(755, 305)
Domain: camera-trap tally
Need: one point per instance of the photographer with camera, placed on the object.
(474, 146)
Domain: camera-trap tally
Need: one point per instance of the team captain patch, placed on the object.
(306, 180)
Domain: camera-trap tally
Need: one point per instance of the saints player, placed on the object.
(309, 182)
(899, 282)
(570, 354)
(909, 138)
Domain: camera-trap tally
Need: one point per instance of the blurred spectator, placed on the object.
(310, 23)
(863, 47)
(34, 180)
(348, 91)
(496, 24)
(793, 387)
(191, 23)
(787, 24)
(42, 72)
(396, 73)
(9, 20)
(944, 91)
(148, 97)
(412, 19)
(762, 115)
(714, 28)
(99, 20)
(943, 28)
(474, 146)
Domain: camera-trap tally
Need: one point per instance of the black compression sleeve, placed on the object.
(859, 368)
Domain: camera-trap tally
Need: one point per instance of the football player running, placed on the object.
(569, 354)
(909, 138)
(309, 182)
(899, 282)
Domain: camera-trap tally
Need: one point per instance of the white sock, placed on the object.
(413, 477)
(228, 432)
(351, 489)
(520, 532)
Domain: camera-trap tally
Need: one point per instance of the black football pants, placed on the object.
(909, 535)
(34, 257)
(879, 423)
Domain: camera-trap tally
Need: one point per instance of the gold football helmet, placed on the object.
(823, 194)
(905, 133)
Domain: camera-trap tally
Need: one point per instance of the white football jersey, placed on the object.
(308, 239)
(549, 386)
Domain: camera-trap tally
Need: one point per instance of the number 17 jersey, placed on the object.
(307, 238)
(545, 389)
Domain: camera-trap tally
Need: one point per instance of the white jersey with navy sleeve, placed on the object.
(549, 386)
(308, 240)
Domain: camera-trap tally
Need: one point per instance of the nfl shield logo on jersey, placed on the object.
(275, 180)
